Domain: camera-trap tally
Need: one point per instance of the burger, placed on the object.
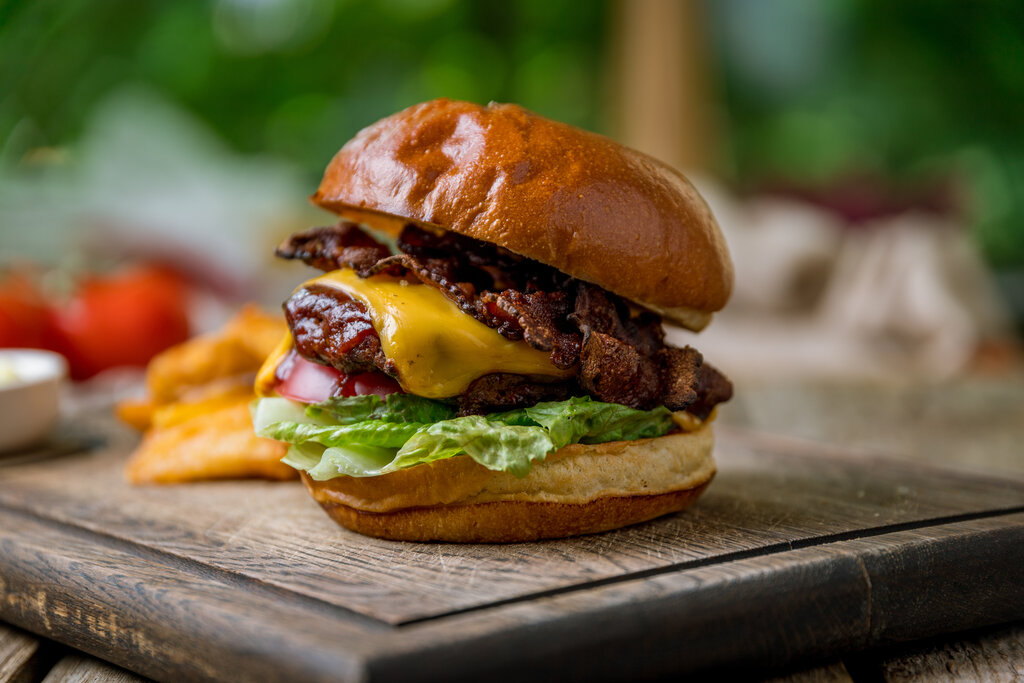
(482, 357)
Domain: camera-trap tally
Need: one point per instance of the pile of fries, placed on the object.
(196, 419)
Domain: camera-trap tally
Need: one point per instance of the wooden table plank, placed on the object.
(768, 493)
(831, 673)
(78, 668)
(165, 618)
(996, 655)
(974, 422)
(762, 611)
(21, 656)
(170, 620)
(797, 551)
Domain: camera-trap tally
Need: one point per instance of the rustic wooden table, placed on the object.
(974, 425)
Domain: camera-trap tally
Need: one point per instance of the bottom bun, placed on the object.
(579, 489)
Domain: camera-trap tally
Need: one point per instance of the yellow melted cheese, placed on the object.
(266, 377)
(437, 349)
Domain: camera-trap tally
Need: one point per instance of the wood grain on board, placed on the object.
(273, 533)
(20, 655)
(830, 673)
(795, 551)
(168, 619)
(997, 655)
(81, 669)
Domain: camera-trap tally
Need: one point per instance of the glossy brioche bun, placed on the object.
(574, 200)
(579, 489)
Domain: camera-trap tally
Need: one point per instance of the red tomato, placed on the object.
(308, 382)
(122, 320)
(370, 383)
(26, 320)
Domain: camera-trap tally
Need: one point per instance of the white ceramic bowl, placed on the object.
(30, 402)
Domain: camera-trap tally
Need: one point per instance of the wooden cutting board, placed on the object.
(796, 551)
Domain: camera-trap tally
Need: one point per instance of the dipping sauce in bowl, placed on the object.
(30, 382)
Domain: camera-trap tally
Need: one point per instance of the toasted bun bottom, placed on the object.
(579, 489)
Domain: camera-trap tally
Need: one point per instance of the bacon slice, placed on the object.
(712, 388)
(333, 247)
(544, 319)
(620, 354)
(614, 371)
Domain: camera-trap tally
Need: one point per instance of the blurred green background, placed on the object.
(849, 102)
(909, 102)
(293, 78)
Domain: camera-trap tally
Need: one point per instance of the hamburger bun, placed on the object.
(579, 489)
(571, 199)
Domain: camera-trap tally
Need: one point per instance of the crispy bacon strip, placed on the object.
(337, 246)
(621, 357)
(543, 317)
(615, 372)
(712, 388)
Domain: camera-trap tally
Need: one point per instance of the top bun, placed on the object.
(568, 198)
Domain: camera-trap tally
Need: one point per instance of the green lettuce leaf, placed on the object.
(581, 420)
(495, 445)
(367, 433)
(492, 444)
(365, 436)
(345, 410)
(268, 412)
(412, 408)
(323, 463)
(397, 408)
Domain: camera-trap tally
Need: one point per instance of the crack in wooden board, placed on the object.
(765, 497)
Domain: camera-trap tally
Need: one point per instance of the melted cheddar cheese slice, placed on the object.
(437, 349)
(266, 378)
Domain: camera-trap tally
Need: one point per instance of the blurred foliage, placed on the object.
(907, 91)
(294, 78)
(904, 92)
